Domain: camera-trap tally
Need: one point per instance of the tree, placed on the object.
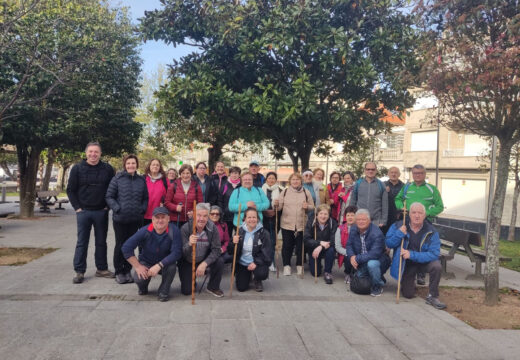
(96, 102)
(473, 67)
(296, 72)
(515, 169)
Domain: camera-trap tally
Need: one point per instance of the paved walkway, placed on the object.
(44, 316)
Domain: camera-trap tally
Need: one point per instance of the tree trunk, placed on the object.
(492, 242)
(294, 159)
(51, 156)
(305, 156)
(514, 208)
(214, 153)
(61, 184)
(8, 171)
(28, 160)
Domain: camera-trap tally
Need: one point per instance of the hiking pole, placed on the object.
(315, 260)
(401, 257)
(234, 254)
(193, 251)
(276, 240)
(303, 245)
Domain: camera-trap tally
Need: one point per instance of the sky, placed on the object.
(153, 53)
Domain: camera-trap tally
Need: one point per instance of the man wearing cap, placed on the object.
(258, 179)
(161, 246)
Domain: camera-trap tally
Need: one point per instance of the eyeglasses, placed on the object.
(215, 214)
(370, 169)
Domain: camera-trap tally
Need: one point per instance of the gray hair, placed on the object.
(418, 167)
(363, 212)
(370, 162)
(419, 205)
(203, 206)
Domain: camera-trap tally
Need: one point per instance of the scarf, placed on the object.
(275, 191)
(234, 182)
(344, 239)
(154, 179)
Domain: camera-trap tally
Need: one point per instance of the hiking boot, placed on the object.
(163, 298)
(272, 268)
(328, 278)
(435, 302)
(299, 270)
(421, 279)
(347, 279)
(143, 291)
(376, 292)
(258, 286)
(78, 279)
(129, 278)
(287, 270)
(121, 279)
(105, 274)
(218, 293)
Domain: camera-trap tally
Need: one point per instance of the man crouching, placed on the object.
(421, 249)
(161, 248)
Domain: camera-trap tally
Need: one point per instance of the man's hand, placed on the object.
(405, 254)
(251, 266)
(403, 229)
(325, 244)
(79, 210)
(201, 269)
(142, 272)
(236, 238)
(193, 239)
(381, 225)
(331, 202)
(354, 262)
(276, 202)
(316, 252)
(305, 205)
(251, 204)
(154, 270)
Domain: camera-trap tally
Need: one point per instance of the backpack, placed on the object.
(360, 285)
(382, 188)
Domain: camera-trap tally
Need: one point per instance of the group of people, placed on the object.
(356, 221)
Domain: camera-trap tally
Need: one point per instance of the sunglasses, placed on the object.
(370, 169)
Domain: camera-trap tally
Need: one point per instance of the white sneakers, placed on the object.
(272, 268)
(287, 270)
(299, 269)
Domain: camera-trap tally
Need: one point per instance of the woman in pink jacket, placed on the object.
(157, 185)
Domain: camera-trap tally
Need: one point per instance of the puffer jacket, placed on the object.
(127, 196)
(261, 245)
(175, 195)
(430, 247)
(374, 241)
(210, 193)
(327, 234)
(290, 203)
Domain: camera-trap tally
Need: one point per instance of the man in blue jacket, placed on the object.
(366, 251)
(161, 248)
(421, 249)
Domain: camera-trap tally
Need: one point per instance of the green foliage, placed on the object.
(295, 72)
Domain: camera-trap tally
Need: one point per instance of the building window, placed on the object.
(424, 141)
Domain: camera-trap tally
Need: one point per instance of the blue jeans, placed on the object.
(85, 220)
(329, 255)
(372, 269)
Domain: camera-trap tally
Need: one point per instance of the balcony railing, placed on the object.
(391, 154)
(453, 152)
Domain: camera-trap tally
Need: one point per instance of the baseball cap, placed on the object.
(160, 210)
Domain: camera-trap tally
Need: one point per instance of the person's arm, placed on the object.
(169, 200)
(399, 199)
(337, 243)
(438, 205)
(350, 243)
(144, 203)
(310, 202)
(73, 187)
(233, 201)
(263, 203)
(308, 235)
(132, 242)
(433, 252)
(111, 196)
(394, 235)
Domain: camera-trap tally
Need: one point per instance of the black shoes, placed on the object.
(78, 279)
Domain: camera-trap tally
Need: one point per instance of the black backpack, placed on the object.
(360, 285)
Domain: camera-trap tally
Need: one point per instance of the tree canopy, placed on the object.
(296, 72)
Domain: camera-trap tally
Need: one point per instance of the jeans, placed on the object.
(85, 220)
(123, 231)
(243, 276)
(329, 255)
(372, 269)
(167, 274)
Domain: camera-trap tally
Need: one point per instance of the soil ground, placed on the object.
(21, 256)
(468, 305)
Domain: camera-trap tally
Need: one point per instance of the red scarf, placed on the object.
(344, 239)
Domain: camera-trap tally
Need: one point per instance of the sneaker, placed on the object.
(435, 302)
(78, 279)
(218, 293)
(163, 298)
(105, 274)
(287, 270)
(129, 278)
(121, 279)
(299, 270)
(272, 268)
(328, 278)
(143, 291)
(347, 279)
(376, 292)
(421, 279)
(258, 286)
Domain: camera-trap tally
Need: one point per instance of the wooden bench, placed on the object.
(46, 199)
(60, 202)
(465, 241)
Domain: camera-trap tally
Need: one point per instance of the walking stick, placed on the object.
(315, 260)
(193, 251)
(276, 240)
(401, 257)
(234, 254)
(303, 245)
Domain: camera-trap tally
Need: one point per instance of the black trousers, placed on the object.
(290, 240)
(243, 275)
(123, 232)
(167, 274)
(412, 268)
(215, 275)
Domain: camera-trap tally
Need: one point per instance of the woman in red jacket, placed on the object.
(181, 194)
(333, 190)
(157, 185)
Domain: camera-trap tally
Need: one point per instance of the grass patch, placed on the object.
(20, 256)
(510, 249)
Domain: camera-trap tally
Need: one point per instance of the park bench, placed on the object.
(46, 199)
(463, 241)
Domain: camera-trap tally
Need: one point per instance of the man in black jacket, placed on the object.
(88, 183)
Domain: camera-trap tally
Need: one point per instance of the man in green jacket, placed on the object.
(420, 191)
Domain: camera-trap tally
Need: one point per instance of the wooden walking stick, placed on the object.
(303, 244)
(193, 252)
(276, 240)
(401, 257)
(234, 254)
(315, 260)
